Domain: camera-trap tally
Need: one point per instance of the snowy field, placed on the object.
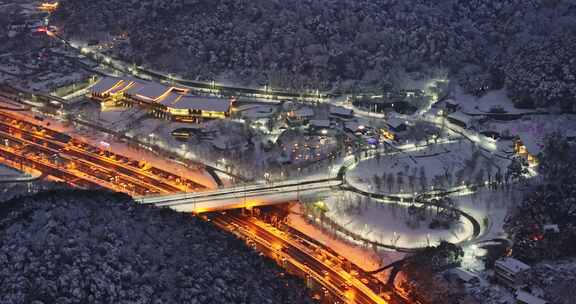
(389, 223)
(440, 165)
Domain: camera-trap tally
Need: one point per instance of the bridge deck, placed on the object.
(241, 197)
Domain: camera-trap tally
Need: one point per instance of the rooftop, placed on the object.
(340, 111)
(142, 89)
(534, 147)
(304, 112)
(319, 123)
(151, 90)
(512, 264)
(171, 98)
(461, 117)
(527, 298)
(394, 122)
(104, 84)
(212, 104)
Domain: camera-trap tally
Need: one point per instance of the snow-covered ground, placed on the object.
(299, 148)
(7, 172)
(489, 207)
(533, 129)
(441, 165)
(365, 258)
(222, 144)
(120, 119)
(491, 101)
(390, 223)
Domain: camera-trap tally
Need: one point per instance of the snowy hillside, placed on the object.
(97, 247)
(526, 46)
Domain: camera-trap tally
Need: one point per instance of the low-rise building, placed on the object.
(396, 124)
(450, 105)
(317, 124)
(106, 87)
(301, 115)
(460, 119)
(508, 270)
(524, 297)
(193, 108)
(163, 101)
(341, 112)
(551, 228)
(528, 150)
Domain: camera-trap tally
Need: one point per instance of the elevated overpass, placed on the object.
(241, 196)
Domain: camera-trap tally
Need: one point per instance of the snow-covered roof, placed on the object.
(532, 144)
(352, 125)
(394, 122)
(224, 142)
(570, 134)
(340, 111)
(171, 98)
(461, 117)
(451, 101)
(151, 90)
(212, 104)
(511, 264)
(527, 298)
(319, 123)
(104, 84)
(304, 112)
(435, 111)
(551, 227)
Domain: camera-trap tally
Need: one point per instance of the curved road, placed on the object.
(475, 224)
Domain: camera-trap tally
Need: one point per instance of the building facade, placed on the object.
(168, 102)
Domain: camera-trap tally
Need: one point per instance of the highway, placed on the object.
(23, 138)
(14, 158)
(29, 144)
(329, 270)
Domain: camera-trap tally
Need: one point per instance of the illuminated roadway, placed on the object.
(33, 146)
(241, 197)
(29, 144)
(323, 266)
